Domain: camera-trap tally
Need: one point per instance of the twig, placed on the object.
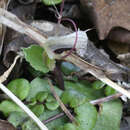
(106, 99)
(94, 102)
(57, 116)
(66, 111)
(15, 99)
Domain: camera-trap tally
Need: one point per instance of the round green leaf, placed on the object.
(8, 106)
(51, 2)
(41, 96)
(52, 105)
(73, 98)
(109, 91)
(38, 109)
(34, 55)
(69, 126)
(50, 98)
(20, 87)
(98, 84)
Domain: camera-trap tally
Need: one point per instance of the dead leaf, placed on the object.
(5, 125)
(108, 14)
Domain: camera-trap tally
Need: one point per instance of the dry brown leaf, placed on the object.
(108, 14)
(5, 125)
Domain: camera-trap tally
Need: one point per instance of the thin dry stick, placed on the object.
(15, 99)
(66, 111)
(57, 116)
(106, 99)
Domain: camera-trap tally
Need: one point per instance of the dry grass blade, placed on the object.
(6, 73)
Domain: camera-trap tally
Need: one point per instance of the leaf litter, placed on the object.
(79, 97)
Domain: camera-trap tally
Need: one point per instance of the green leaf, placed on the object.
(51, 2)
(50, 63)
(38, 109)
(73, 98)
(98, 84)
(86, 115)
(50, 98)
(29, 125)
(8, 106)
(20, 87)
(109, 91)
(34, 55)
(69, 126)
(52, 105)
(17, 118)
(41, 96)
(68, 68)
(34, 72)
(84, 89)
(109, 116)
(40, 85)
(32, 102)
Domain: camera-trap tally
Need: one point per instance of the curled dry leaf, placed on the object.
(107, 14)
